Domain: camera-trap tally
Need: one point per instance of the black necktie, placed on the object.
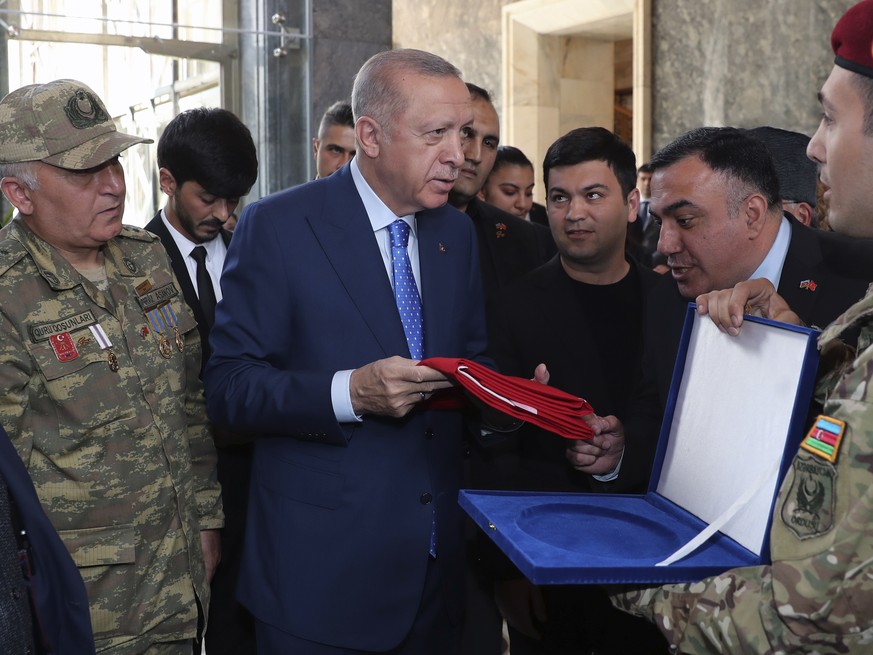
(205, 290)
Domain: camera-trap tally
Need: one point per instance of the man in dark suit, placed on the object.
(642, 234)
(509, 246)
(715, 193)
(207, 162)
(334, 146)
(581, 314)
(354, 539)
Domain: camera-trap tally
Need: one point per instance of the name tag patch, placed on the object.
(45, 331)
(152, 298)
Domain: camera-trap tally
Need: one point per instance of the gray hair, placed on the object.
(376, 92)
(24, 172)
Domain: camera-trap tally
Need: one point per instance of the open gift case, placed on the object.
(735, 416)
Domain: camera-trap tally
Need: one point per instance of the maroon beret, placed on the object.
(852, 39)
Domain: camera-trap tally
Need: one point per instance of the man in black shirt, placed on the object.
(580, 314)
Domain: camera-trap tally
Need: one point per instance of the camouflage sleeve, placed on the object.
(15, 373)
(200, 441)
(817, 594)
(724, 614)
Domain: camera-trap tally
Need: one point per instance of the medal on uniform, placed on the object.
(163, 318)
(103, 341)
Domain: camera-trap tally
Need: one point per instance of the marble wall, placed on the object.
(283, 98)
(739, 62)
(345, 34)
(717, 62)
(466, 33)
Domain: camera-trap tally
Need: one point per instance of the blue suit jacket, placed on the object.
(339, 520)
(58, 590)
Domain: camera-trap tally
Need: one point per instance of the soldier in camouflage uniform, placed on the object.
(99, 364)
(817, 595)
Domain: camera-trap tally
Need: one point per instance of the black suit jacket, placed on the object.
(840, 267)
(156, 226)
(539, 319)
(538, 214)
(642, 242)
(231, 629)
(509, 247)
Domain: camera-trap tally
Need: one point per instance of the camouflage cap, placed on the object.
(62, 123)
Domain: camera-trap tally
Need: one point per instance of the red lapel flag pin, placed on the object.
(809, 285)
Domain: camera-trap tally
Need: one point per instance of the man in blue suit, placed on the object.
(354, 539)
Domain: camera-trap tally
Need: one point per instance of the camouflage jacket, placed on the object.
(817, 595)
(104, 404)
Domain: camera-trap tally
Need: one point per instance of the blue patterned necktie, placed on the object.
(405, 289)
(409, 305)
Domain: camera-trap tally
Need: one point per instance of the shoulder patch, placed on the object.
(824, 437)
(809, 506)
(11, 252)
(137, 233)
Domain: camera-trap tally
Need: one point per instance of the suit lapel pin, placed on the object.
(809, 285)
(501, 230)
(443, 249)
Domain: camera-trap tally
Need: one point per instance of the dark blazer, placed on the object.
(540, 320)
(642, 242)
(841, 268)
(156, 226)
(61, 603)
(340, 515)
(538, 214)
(231, 629)
(509, 247)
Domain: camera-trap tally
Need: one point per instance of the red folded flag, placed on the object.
(530, 401)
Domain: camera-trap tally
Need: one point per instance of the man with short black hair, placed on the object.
(334, 146)
(581, 314)
(817, 594)
(642, 234)
(508, 246)
(208, 162)
(716, 194)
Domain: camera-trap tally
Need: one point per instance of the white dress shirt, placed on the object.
(380, 218)
(216, 251)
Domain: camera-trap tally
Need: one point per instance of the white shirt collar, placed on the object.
(214, 247)
(771, 267)
(378, 212)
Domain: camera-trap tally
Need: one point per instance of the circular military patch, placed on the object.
(808, 510)
(84, 110)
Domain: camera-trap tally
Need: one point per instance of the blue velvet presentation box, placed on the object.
(735, 417)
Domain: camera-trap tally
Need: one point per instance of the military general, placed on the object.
(99, 364)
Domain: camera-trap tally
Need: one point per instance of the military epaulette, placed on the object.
(137, 233)
(11, 252)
